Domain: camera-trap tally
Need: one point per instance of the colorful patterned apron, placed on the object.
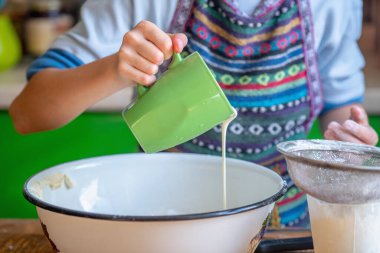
(267, 67)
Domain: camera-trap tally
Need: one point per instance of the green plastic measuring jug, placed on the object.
(185, 102)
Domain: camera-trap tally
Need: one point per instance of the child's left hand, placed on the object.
(356, 129)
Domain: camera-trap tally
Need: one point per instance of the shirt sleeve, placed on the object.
(53, 58)
(100, 31)
(338, 26)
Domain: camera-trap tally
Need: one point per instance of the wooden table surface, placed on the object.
(26, 236)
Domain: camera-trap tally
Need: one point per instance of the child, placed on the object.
(264, 56)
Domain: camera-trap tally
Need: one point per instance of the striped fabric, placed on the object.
(53, 58)
(263, 65)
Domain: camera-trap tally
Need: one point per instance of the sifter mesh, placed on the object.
(332, 171)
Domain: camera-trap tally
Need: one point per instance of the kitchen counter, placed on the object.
(13, 81)
(26, 236)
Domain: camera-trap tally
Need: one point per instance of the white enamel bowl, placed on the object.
(160, 203)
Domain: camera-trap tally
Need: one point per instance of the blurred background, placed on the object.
(27, 28)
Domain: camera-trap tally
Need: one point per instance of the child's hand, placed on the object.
(355, 130)
(144, 48)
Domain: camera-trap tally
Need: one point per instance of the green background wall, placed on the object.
(91, 134)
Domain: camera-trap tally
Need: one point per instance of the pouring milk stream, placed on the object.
(225, 125)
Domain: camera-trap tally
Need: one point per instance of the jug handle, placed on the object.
(141, 89)
(177, 58)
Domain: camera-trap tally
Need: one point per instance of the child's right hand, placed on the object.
(73, 90)
(144, 48)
